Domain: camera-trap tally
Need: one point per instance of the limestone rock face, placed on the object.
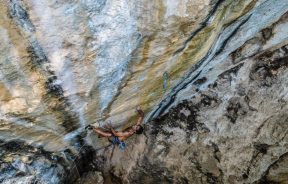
(210, 76)
(66, 64)
(226, 122)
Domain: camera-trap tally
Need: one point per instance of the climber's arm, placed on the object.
(116, 133)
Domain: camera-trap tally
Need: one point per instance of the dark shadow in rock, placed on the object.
(261, 147)
(265, 70)
(234, 109)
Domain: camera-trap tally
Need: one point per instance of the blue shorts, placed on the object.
(116, 141)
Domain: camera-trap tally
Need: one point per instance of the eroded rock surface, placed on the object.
(225, 125)
(66, 64)
(211, 77)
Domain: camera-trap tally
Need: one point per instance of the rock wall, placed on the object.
(66, 64)
(226, 122)
(210, 76)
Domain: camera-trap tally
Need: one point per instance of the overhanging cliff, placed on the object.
(210, 75)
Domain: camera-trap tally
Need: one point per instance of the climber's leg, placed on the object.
(102, 133)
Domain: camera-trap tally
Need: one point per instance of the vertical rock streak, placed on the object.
(216, 69)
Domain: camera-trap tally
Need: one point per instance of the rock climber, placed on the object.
(118, 137)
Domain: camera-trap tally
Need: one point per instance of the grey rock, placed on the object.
(210, 75)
